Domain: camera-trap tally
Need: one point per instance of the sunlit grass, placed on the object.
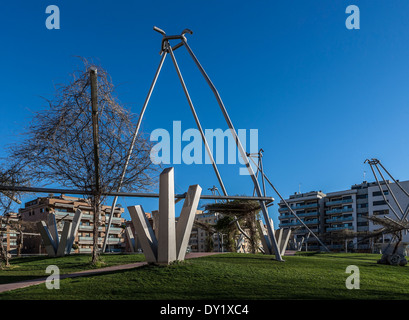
(235, 276)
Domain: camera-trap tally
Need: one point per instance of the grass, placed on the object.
(226, 276)
(26, 268)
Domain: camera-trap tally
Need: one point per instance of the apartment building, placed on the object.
(64, 208)
(309, 208)
(343, 210)
(199, 238)
(9, 236)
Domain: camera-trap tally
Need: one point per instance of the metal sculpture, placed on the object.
(166, 48)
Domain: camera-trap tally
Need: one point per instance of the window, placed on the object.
(363, 205)
(379, 203)
(362, 196)
(380, 212)
(362, 224)
(378, 193)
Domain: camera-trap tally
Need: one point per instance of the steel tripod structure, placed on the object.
(259, 166)
(403, 213)
(402, 219)
(166, 49)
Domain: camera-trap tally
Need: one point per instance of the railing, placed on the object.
(110, 240)
(89, 228)
(304, 206)
(340, 228)
(298, 223)
(339, 210)
(62, 213)
(307, 214)
(340, 219)
(331, 203)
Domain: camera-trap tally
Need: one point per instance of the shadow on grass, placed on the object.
(17, 278)
(16, 260)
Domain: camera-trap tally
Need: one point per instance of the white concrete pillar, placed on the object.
(167, 232)
(278, 235)
(52, 228)
(186, 219)
(155, 219)
(47, 238)
(284, 240)
(74, 229)
(145, 233)
(264, 237)
(62, 246)
(130, 238)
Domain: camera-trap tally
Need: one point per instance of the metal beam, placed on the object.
(126, 194)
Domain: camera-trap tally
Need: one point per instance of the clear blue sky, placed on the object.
(324, 98)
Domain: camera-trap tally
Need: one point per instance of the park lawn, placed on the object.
(26, 268)
(236, 276)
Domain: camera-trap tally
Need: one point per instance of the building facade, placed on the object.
(8, 234)
(201, 240)
(327, 214)
(309, 208)
(64, 208)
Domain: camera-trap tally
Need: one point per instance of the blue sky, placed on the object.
(323, 98)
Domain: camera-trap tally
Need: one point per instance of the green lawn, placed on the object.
(225, 276)
(34, 267)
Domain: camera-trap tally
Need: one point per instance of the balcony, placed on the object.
(114, 240)
(115, 230)
(340, 228)
(304, 206)
(62, 214)
(298, 223)
(340, 219)
(88, 228)
(332, 203)
(100, 240)
(339, 210)
(290, 215)
(303, 230)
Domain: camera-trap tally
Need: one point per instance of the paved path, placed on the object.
(27, 283)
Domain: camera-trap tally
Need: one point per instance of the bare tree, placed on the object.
(59, 145)
(11, 176)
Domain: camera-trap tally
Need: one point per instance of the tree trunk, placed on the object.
(20, 243)
(95, 249)
(3, 252)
